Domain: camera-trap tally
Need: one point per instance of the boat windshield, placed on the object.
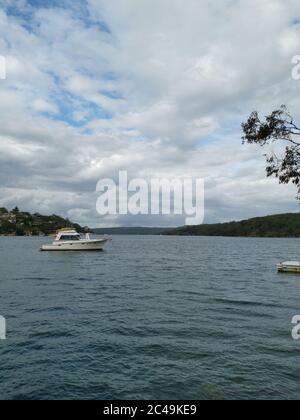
(69, 238)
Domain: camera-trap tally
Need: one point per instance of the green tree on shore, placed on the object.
(278, 127)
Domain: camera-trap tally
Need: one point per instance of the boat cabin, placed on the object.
(67, 235)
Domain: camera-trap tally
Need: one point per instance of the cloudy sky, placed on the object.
(156, 87)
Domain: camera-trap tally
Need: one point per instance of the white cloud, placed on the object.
(40, 105)
(158, 88)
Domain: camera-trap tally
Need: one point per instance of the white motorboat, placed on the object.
(70, 240)
(289, 267)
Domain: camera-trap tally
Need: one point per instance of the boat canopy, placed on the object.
(67, 235)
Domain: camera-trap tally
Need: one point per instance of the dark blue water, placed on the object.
(150, 318)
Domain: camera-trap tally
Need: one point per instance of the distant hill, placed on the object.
(16, 222)
(130, 231)
(276, 226)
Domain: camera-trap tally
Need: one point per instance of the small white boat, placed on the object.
(289, 267)
(70, 240)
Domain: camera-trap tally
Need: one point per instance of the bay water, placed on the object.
(152, 317)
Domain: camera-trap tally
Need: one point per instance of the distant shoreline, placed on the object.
(165, 235)
(17, 224)
(274, 226)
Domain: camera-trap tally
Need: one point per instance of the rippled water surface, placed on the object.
(151, 318)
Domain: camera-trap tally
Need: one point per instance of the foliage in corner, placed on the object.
(279, 126)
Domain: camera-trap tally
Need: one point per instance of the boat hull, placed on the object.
(289, 267)
(96, 245)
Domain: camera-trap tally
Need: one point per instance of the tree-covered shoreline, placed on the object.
(275, 226)
(18, 223)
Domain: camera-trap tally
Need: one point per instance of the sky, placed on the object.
(158, 88)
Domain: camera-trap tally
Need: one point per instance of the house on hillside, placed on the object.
(8, 217)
